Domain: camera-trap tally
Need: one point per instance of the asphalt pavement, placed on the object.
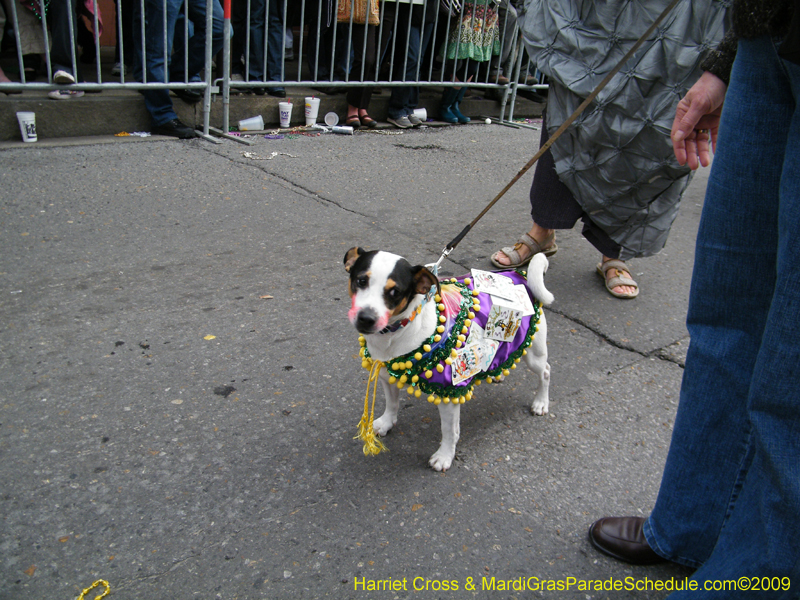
(181, 385)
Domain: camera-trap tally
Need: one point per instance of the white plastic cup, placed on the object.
(285, 109)
(27, 126)
(421, 114)
(252, 124)
(331, 119)
(312, 110)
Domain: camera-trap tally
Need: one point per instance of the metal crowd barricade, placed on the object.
(430, 70)
(425, 67)
(69, 23)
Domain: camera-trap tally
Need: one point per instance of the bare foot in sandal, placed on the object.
(528, 245)
(618, 278)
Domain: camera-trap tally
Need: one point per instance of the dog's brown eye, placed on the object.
(362, 282)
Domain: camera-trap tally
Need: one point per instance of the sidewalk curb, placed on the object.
(115, 111)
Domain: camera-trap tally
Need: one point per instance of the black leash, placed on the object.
(451, 246)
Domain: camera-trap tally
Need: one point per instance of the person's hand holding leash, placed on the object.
(697, 121)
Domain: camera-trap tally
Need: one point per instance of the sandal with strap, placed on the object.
(368, 121)
(353, 122)
(547, 246)
(619, 278)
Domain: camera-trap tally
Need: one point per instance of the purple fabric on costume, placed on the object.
(452, 298)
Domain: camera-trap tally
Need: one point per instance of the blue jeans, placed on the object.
(63, 41)
(404, 100)
(274, 37)
(401, 48)
(729, 501)
(158, 102)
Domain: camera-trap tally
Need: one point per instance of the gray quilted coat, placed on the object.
(617, 158)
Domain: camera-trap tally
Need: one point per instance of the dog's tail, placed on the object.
(536, 270)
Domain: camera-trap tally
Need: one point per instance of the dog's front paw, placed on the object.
(540, 407)
(383, 425)
(442, 460)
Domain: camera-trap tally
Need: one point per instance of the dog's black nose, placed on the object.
(365, 322)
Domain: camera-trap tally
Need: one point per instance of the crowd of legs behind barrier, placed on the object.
(203, 51)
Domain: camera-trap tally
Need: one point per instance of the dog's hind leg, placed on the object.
(450, 415)
(536, 359)
(387, 420)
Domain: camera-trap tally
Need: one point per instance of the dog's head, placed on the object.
(382, 286)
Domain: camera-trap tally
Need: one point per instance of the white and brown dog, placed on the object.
(416, 333)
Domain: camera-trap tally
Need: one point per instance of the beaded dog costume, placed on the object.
(430, 368)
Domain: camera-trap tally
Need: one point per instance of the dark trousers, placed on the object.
(365, 59)
(554, 207)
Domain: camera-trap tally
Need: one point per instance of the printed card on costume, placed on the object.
(523, 299)
(493, 283)
(467, 362)
(478, 337)
(504, 321)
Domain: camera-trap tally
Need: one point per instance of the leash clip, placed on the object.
(434, 267)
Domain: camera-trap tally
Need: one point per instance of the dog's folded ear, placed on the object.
(424, 280)
(351, 257)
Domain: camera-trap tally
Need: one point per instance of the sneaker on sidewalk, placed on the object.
(63, 77)
(65, 94)
(403, 122)
(414, 120)
(116, 69)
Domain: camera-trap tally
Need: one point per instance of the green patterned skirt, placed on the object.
(475, 34)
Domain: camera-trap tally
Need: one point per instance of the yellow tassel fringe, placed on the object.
(372, 445)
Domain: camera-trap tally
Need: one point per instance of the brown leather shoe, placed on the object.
(622, 538)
